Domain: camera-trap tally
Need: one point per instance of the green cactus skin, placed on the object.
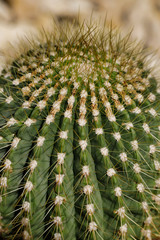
(80, 141)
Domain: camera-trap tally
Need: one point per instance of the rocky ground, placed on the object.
(22, 17)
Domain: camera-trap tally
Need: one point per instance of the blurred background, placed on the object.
(22, 17)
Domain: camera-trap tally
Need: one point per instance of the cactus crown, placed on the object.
(80, 140)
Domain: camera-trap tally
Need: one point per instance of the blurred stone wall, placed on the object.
(22, 17)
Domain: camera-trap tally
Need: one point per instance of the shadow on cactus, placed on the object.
(80, 139)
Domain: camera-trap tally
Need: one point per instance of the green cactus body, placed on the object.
(80, 141)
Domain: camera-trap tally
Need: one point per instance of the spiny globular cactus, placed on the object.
(80, 140)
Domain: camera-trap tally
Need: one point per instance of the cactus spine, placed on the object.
(80, 141)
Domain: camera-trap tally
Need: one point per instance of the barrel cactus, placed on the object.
(80, 140)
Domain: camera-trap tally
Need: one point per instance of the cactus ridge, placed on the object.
(80, 140)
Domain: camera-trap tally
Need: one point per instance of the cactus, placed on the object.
(80, 140)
